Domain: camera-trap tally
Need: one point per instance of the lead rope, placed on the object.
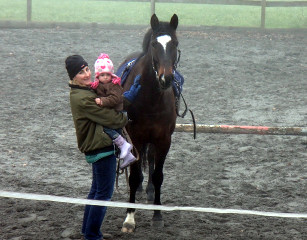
(120, 172)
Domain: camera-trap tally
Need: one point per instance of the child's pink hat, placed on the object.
(104, 65)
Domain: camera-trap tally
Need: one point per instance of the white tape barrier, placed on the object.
(40, 197)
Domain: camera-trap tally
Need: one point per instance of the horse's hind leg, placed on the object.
(157, 179)
(141, 176)
(149, 156)
(139, 190)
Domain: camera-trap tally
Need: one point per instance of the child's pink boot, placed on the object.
(127, 160)
(123, 146)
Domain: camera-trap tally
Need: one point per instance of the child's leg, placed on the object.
(112, 133)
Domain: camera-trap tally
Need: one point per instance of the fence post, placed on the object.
(29, 10)
(263, 6)
(153, 10)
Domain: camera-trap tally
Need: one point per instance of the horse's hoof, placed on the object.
(138, 195)
(128, 228)
(157, 223)
(140, 188)
(149, 201)
(150, 198)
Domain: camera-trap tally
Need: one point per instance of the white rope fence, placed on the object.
(40, 197)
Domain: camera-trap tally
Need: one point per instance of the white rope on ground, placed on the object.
(40, 197)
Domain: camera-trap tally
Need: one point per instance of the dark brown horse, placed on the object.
(153, 113)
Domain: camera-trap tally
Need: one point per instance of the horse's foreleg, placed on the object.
(135, 179)
(129, 223)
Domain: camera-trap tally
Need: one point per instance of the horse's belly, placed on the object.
(152, 130)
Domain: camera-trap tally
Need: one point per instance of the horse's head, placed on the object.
(163, 48)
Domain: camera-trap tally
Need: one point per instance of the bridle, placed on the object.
(175, 63)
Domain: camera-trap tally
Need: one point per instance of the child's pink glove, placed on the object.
(94, 85)
(116, 80)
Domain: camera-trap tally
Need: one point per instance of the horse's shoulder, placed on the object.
(127, 70)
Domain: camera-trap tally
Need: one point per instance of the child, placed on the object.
(110, 94)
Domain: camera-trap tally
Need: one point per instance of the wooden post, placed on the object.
(29, 10)
(233, 129)
(153, 7)
(263, 6)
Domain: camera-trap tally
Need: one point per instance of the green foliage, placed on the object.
(134, 13)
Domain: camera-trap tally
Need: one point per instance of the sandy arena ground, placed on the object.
(232, 76)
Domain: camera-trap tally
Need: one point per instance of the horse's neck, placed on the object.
(148, 75)
(150, 83)
(152, 100)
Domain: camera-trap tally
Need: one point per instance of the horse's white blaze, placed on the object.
(163, 78)
(130, 219)
(163, 40)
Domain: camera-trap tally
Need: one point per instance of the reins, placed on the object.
(185, 104)
(186, 109)
(178, 59)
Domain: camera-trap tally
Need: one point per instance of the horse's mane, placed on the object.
(164, 28)
(146, 40)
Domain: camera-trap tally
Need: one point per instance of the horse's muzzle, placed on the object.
(165, 81)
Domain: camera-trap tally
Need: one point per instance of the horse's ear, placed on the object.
(154, 22)
(174, 22)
